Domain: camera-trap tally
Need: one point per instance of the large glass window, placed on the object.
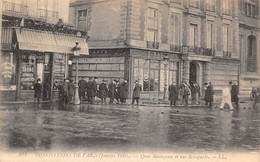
(152, 21)
(147, 72)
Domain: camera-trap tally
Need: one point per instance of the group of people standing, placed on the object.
(114, 90)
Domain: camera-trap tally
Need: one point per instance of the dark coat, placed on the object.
(123, 90)
(82, 86)
(71, 89)
(103, 91)
(173, 93)
(111, 90)
(90, 89)
(137, 90)
(234, 93)
(209, 94)
(65, 89)
(117, 91)
(37, 90)
(95, 88)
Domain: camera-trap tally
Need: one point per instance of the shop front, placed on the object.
(36, 54)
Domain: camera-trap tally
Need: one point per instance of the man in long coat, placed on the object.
(234, 93)
(111, 91)
(123, 91)
(38, 90)
(103, 91)
(82, 88)
(90, 90)
(209, 95)
(173, 94)
(65, 89)
(136, 92)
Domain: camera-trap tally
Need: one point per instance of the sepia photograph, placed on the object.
(129, 80)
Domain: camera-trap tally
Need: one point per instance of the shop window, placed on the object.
(147, 72)
(251, 54)
(8, 72)
(28, 69)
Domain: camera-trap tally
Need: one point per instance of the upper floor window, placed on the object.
(82, 14)
(250, 9)
(226, 40)
(226, 9)
(211, 5)
(175, 27)
(209, 34)
(251, 53)
(152, 21)
(195, 3)
(193, 35)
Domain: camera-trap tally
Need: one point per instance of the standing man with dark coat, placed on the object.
(136, 92)
(234, 93)
(65, 90)
(209, 95)
(103, 91)
(111, 91)
(124, 91)
(90, 90)
(38, 90)
(95, 90)
(173, 94)
(82, 89)
(117, 91)
(71, 90)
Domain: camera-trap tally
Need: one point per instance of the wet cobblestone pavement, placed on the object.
(127, 127)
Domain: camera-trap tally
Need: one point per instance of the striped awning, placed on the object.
(44, 41)
(6, 38)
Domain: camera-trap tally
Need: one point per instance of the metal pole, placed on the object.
(76, 98)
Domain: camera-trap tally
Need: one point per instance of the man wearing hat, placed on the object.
(123, 91)
(103, 91)
(111, 91)
(136, 92)
(173, 93)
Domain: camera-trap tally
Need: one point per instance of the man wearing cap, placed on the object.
(136, 92)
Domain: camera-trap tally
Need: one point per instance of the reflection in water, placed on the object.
(127, 127)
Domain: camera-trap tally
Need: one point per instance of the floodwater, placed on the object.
(126, 128)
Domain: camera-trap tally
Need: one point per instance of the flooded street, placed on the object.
(127, 128)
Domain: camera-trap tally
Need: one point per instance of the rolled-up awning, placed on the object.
(35, 40)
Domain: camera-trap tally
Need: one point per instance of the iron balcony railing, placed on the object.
(43, 13)
(198, 50)
(154, 45)
(175, 48)
(14, 8)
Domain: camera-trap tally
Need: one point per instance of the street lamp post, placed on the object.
(76, 51)
(165, 62)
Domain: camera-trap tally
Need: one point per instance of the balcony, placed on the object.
(210, 7)
(175, 48)
(226, 54)
(13, 8)
(154, 45)
(198, 50)
(226, 11)
(42, 13)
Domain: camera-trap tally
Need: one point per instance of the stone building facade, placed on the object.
(249, 46)
(160, 41)
(36, 42)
